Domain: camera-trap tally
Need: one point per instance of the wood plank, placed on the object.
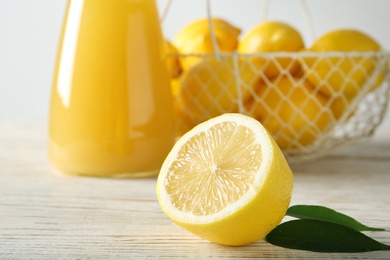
(47, 215)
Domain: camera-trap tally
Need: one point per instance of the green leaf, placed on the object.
(322, 236)
(329, 215)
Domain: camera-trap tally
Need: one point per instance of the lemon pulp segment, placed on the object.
(214, 169)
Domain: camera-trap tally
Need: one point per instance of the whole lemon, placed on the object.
(195, 38)
(345, 75)
(183, 120)
(216, 86)
(339, 105)
(273, 36)
(172, 60)
(292, 111)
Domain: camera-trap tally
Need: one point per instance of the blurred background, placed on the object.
(29, 33)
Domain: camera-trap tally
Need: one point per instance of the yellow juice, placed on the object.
(111, 111)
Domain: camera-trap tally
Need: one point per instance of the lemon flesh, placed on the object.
(226, 181)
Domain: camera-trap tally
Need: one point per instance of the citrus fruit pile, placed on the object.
(298, 92)
(226, 180)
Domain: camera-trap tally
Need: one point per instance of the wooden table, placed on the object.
(47, 215)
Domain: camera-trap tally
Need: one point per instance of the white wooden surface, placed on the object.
(48, 215)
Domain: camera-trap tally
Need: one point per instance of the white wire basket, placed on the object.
(292, 106)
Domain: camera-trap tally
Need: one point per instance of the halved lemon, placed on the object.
(226, 180)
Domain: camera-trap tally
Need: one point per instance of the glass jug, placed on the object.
(111, 110)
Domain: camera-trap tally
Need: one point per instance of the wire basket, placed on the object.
(315, 103)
